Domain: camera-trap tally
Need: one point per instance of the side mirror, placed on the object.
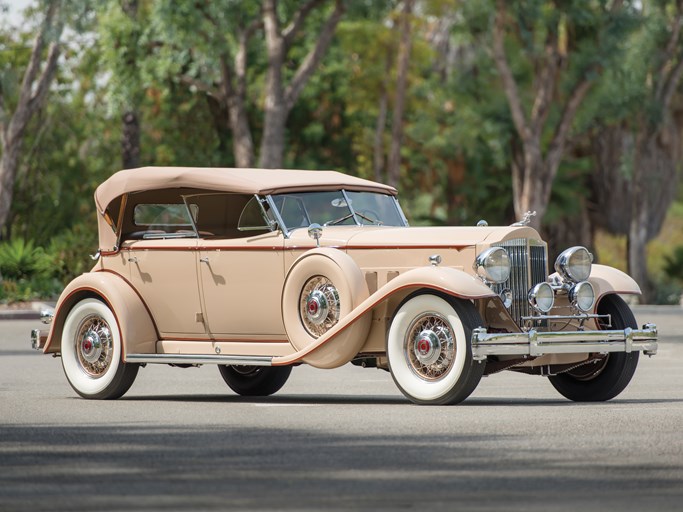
(315, 231)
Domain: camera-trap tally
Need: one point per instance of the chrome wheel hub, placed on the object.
(94, 345)
(91, 347)
(427, 347)
(319, 306)
(430, 346)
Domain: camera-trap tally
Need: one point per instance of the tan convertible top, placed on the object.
(244, 181)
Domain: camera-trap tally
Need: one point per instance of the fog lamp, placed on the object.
(542, 297)
(582, 295)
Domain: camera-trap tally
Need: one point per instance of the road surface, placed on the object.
(337, 439)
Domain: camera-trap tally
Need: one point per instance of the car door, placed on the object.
(241, 281)
(164, 272)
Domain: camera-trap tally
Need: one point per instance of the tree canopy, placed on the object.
(474, 109)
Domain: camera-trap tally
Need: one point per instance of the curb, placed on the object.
(27, 314)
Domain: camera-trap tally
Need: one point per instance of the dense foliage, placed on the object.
(163, 63)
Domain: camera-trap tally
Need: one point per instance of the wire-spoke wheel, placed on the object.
(91, 352)
(429, 349)
(319, 306)
(606, 377)
(255, 380)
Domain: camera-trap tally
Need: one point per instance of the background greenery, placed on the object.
(459, 141)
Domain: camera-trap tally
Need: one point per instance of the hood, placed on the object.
(447, 237)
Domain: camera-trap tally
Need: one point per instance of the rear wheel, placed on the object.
(429, 349)
(255, 380)
(609, 376)
(91, 352)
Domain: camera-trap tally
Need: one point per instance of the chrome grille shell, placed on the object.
(529, 266)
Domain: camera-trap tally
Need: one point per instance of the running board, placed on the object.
(199, 359)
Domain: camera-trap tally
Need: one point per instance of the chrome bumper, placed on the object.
(38, 336)
(38, 339)
(535, 343)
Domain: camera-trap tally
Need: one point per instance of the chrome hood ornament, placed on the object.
(526, 219)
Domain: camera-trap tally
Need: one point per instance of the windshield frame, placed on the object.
(287, 232)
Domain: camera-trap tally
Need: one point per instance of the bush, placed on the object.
(20, 259)
(69, 252)
(673, 264)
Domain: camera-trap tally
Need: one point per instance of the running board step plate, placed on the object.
(199, 359)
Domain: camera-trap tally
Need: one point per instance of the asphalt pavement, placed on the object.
(337, 439)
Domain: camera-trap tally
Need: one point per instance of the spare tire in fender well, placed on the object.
(333, 270)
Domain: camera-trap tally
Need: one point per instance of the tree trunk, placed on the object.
(275, 115)
(394, 164)
(637, 255)
(378, 143)
(9, 164)
(130, 140)
(242, 144)
(32, 94)
(280, 99)
(130, 136)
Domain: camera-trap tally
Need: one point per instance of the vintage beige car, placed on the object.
(257, 271)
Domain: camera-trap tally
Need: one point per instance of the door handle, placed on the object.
(204, 259)
(133, 260)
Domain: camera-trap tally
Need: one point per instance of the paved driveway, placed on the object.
(181, 440)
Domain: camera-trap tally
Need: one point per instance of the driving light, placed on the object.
(542, 297)
(574, 264)
(582, 296)
(493, 265)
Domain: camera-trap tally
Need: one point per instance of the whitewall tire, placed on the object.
(429, 349)
(91, 352)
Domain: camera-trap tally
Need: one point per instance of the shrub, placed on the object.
(673, 264)
(69, 252)
(20, 259)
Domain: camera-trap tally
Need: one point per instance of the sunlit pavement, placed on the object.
(337, 439)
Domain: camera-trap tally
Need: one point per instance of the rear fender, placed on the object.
(138, 332)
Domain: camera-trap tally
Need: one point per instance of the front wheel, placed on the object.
(255, 380)
(429, 349)
(609, 376)
(91, 352)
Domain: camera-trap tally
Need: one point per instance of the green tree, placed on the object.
(210, 47)
(18, 104)
(562, 48)
(637, 140)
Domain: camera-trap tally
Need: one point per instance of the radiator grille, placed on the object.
(529, 266)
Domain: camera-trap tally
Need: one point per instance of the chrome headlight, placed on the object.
(493, 265)
(542, 297)
(582, 295)
(574, 264)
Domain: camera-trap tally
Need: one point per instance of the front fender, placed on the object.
(138, 332)
(441, 279)
(606, 280)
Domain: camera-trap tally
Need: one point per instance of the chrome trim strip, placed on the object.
(563, 317)
(535, 343)
(285, 231)
(199, 359)
(400, 211)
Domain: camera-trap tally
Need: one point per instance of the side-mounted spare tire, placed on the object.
(321, 288)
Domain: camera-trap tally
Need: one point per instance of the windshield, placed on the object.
(338, 208)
